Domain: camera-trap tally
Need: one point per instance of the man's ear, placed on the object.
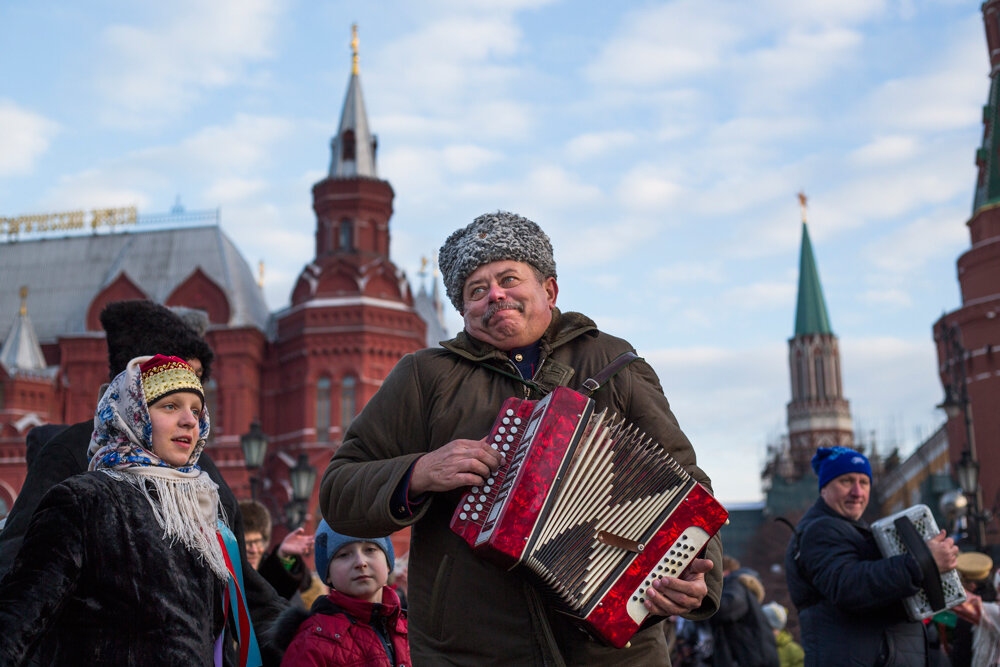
(551, 291)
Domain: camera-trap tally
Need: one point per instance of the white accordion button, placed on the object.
(487, 487)
(490, 480)
(510, 413)
(501, 430)
(506, 420)
(482, 499)
(517, 420)
(463, 516)
(475, 516)
(467, 507)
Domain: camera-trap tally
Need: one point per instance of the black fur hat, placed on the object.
(140, 327)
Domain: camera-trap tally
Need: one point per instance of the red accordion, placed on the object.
(594, 509)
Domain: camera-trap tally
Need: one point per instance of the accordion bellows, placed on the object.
(590, 506)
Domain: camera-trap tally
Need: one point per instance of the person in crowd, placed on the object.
(790, 654)
(284, 567)
(741, 634)
(848, 596)
(360, 622)
(135, 328)
(976, 640)
(124, 562)
(421, 439)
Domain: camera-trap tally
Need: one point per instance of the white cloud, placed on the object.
(947, 95)
(909, 247)
(227, 190)
(595, 144)
(154, 71)
(686, 272)
(890, 296)
(467, 157)
(644, 188)
(25, 137)
(762, 296)
(664, 44)
(218, 155)
(885, 150)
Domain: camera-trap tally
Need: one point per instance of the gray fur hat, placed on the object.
(489, 238)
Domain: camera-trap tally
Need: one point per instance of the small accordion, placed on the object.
(906, 532)
(592, 508)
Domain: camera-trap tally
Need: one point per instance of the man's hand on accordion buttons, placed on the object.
(676, 596)
(944, 551)
(457, 464)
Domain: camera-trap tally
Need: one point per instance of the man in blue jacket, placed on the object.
(849, 597)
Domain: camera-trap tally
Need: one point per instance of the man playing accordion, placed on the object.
(850, 598)
(420, 439)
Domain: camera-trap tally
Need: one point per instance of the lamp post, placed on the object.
(254, 446)
(956, 404)
(303, 479)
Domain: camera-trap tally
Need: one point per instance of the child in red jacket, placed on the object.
(360, 622)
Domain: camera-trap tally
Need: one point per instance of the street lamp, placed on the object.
(956, 403)
(303, 479)
(254, 446)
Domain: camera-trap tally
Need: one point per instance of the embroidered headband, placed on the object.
(163, 375)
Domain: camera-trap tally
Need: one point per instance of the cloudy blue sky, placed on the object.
(660, 144)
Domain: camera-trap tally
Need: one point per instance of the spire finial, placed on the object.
(802, 205)
(354, 48)
(260, 273)
(24, 300)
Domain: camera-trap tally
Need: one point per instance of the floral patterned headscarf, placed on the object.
(184, 500)
(123, 431)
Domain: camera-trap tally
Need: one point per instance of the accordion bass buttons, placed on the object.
(673, 562)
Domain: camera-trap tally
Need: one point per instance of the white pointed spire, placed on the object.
(354, 146)
(20, 349)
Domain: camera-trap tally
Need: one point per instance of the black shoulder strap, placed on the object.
(590, 385)
(915, 544)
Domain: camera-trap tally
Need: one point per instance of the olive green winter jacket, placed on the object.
(463, 610)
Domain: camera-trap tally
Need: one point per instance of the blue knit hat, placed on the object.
(832, 462)
(328, 542)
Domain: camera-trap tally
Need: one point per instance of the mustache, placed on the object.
(497, 306)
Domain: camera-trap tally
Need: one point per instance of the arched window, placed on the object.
(800, 370)
(348, 145)
(820, 377)
(348, 402)
(323, 409)
(346, 235)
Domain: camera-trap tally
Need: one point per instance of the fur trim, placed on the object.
(490, 238)
(142, 328)
(282, 631)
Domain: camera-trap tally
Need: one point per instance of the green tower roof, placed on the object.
(810, 314)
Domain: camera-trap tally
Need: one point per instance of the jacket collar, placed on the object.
(551, 373)
(358, 609)
(823, 508)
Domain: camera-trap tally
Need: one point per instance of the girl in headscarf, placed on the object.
(127, 561)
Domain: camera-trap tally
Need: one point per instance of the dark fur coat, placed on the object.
(65, 455)
(95, 570)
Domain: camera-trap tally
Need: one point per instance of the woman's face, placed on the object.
(175, 426)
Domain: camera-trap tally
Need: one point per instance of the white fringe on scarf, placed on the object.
(186, 506)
